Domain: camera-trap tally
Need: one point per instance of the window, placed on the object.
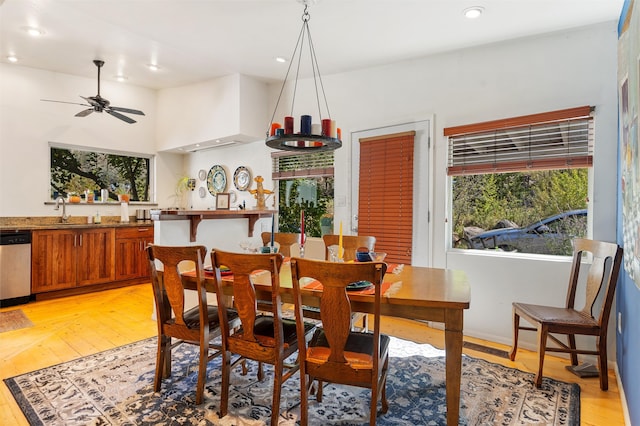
(84, 172)
(521, 184)
(305, 182)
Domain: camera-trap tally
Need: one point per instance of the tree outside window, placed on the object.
(77, 171)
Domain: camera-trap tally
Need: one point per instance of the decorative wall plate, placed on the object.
(216, 180)
(242, 178)
(202, 192)
(202, 174)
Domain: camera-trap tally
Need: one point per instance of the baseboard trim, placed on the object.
(623, 397)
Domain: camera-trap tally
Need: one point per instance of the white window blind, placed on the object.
(552, 140)
(293, 166)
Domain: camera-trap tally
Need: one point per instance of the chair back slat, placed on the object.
(285, 239)
(167, 281)
(350, 244)
(601, 276)
(245, 269)
(335, 307)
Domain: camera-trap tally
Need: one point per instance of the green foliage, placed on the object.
(523, 198)
(77, 171)
(289, 215)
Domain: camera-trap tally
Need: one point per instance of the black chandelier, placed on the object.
(311, 137)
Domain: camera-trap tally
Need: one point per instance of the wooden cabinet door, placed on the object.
(53, 260)
(131, 258)
(96, 252)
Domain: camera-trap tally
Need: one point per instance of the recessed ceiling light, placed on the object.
(33, 31)
(12, 58)
(120, 78)
(473, 12)
(281, 59)
(153, 67)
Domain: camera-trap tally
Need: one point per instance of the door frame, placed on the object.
(422, 183)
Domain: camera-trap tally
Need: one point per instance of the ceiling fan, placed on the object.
(99, 104)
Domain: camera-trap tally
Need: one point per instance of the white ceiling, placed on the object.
(197, 40)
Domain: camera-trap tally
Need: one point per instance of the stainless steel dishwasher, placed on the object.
(15, 267)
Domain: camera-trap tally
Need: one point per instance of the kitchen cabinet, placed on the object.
(67, 258)
(131, 258)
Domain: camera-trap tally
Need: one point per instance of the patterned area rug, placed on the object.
(116, 388)
(14, 320)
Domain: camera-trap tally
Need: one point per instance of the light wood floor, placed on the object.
(72, 327)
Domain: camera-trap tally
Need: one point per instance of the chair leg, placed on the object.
(385, 403)
(160, 364)
(373, 405)
(572, 344)
(304, 399)
(319, 390)
(516, 330)
(202, 371)
(542, 343)
(224, 391)
(277, 390)
(260, 372)
(602, 360)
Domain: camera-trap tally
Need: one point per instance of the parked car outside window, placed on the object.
(552, 235)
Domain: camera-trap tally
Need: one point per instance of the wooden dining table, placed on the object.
(429, 294)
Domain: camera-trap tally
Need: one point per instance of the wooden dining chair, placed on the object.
(197, 325)
(601, 278)
(285, 239)
(350, 244)
(336, 353)
(268, 338)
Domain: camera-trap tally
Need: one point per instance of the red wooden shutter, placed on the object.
(385, 206)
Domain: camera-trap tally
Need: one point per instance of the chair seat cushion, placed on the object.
(264, 330)
(555, 315)
(192, 317)
(358, 350)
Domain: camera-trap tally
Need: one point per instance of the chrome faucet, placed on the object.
(65, 218)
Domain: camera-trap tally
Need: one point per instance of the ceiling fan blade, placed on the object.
(85, 112)
(120, 116)
(127, 110)
(64, 102)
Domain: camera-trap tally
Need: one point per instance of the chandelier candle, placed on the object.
(288, 125)
(305, 124)
(274, 128)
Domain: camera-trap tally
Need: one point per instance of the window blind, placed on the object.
(385, 203)
(553, 140)
(293, 166)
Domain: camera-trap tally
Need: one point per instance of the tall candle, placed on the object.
(305, 124)
(288, 125)
(273, 227)
(302, 237)
(340, 242)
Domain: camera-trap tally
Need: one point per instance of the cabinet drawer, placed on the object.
(135, 232)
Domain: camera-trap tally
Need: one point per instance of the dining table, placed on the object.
(412, 292)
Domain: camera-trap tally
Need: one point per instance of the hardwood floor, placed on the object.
(72, 327)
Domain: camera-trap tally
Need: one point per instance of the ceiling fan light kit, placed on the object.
(317, 137)
(99, 104)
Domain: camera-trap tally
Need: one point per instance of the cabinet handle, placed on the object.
(80, 240)
(75, 240)
(143, 229)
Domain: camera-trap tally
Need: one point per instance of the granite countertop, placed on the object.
(55, 222)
